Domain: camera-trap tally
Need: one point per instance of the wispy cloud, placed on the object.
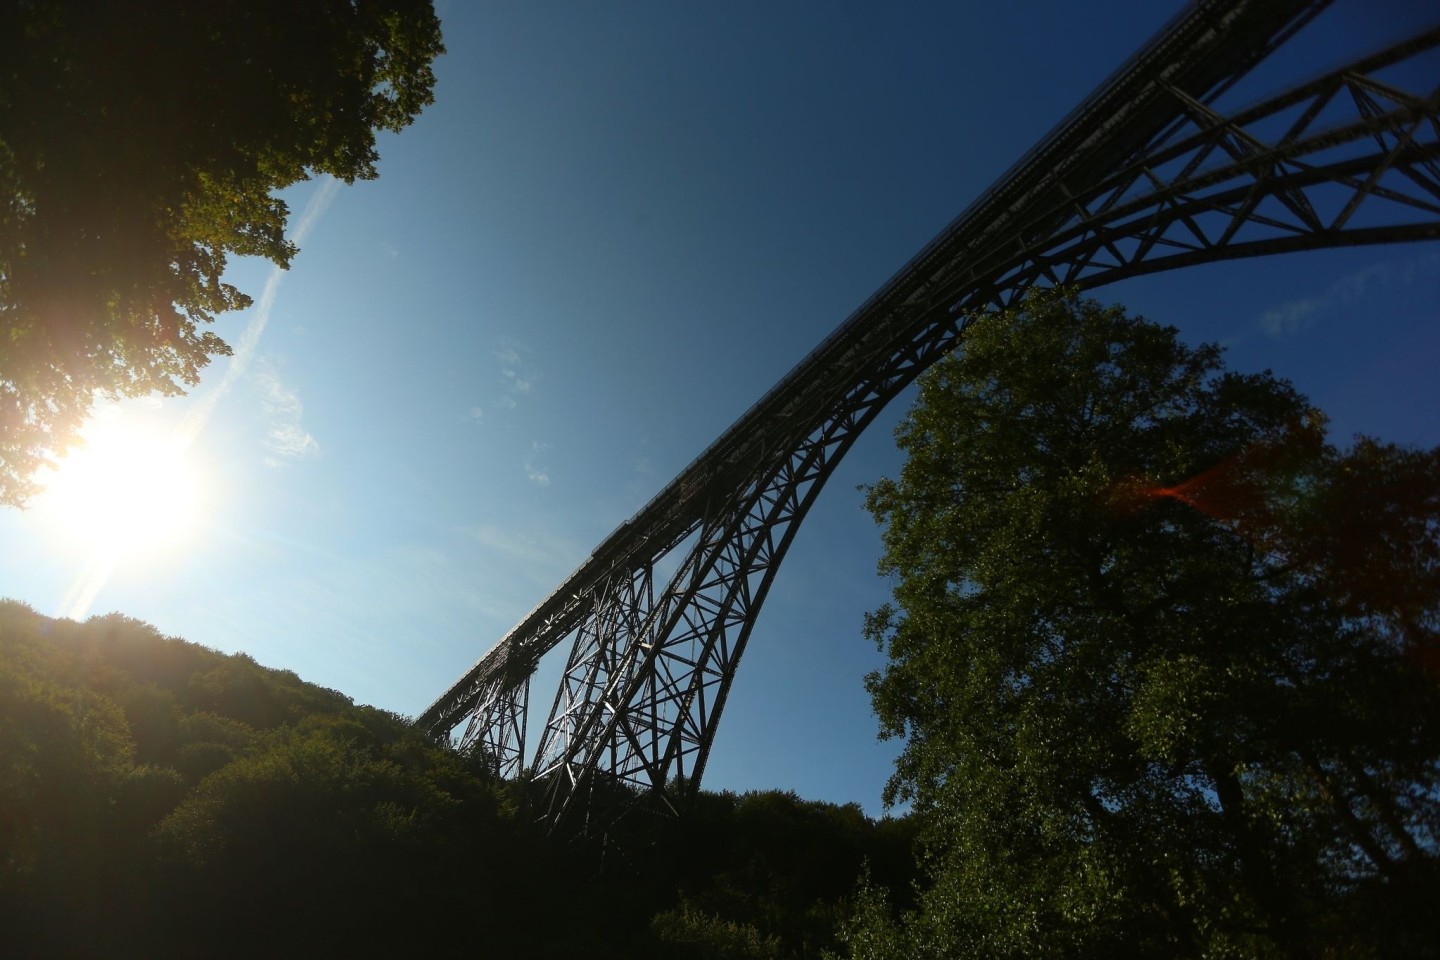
(517, 378)
(1294, 317)
(286, 437)
(249, 339)
(533, 471)
(523, 547)
(516, 566)
(515, 374)
(81, 595)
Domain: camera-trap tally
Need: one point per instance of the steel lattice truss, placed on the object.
(1153, 171)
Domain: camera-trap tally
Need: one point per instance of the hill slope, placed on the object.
(159, 798)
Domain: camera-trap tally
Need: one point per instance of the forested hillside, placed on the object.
(158, 798)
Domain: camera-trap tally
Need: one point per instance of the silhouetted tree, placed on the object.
(1157, 654)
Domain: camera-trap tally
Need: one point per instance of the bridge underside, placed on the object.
(1154, 171)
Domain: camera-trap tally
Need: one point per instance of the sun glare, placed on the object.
(129, 491)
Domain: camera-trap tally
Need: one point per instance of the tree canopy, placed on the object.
(160, 799)
(140, 147)
(1162, 657)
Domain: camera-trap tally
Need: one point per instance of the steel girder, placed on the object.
(1154, 171)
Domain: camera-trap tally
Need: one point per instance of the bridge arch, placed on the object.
(1152, 172)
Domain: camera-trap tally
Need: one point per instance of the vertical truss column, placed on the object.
(497, 727)
(604, 650)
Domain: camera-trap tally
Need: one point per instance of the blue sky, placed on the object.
(617, 227)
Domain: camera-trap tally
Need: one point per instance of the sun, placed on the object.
(131, 490)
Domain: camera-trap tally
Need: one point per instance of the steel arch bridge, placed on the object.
(1153, 171)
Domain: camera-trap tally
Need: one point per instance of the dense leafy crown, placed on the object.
(140, 146)
(1162, 657)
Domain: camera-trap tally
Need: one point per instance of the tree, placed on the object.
(140, 146)
(1160, 655)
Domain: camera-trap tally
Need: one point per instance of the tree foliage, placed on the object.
(161, 799)
(1161, 656)
(140, 147)
(153, 792)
